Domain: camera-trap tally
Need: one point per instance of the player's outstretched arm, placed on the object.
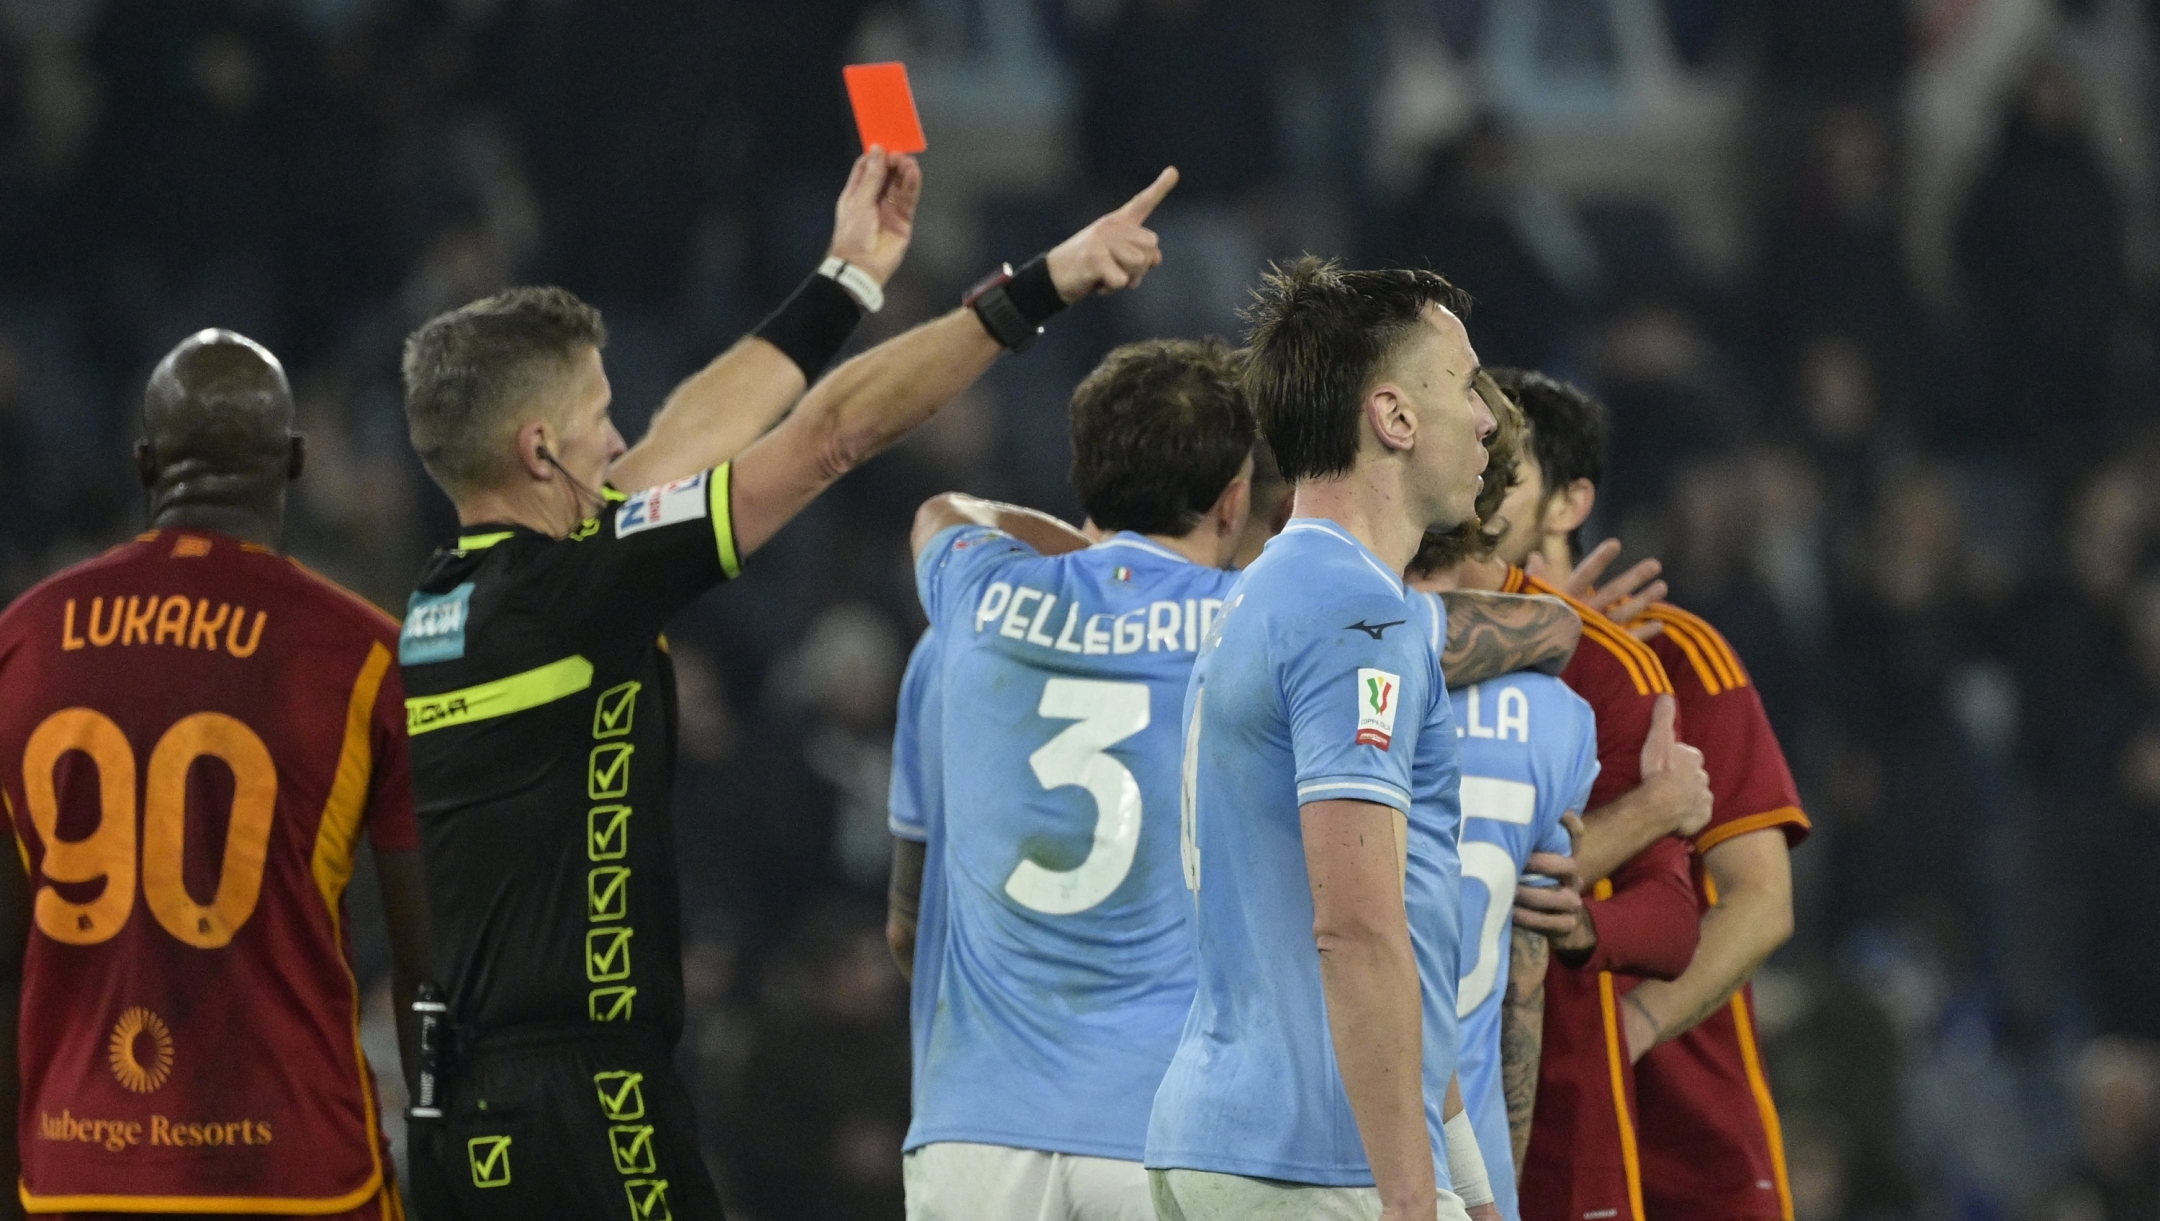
(903, 903)
(1522, 1035)
(878, 397)
(1046, 534)
(1491, 634)
(404, 896)
(1753, 917)
(1354, 854)
(730, 403)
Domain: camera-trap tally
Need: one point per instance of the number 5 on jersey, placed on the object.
(1105, 713)
(1508, 801)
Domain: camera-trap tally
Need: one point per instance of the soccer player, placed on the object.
(539, 695)
(1639, 922)
(1319, 807)
(197, 734)
(1066, 965)
(1529, 756)
(1710, 1140)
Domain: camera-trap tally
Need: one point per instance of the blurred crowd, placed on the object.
(1869, 287)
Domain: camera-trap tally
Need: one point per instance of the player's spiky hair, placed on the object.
(1320, 337)
(1479, 537)
(470, 373)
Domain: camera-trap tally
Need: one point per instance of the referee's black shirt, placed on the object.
(542, 712)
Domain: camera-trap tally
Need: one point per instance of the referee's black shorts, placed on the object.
(562, 1122)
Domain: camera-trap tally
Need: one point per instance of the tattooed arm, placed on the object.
(1491, 634)
(1522, 1035)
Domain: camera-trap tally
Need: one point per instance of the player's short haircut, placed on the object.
(1321, 336)
(1568, 427)
(1159, 429)
(1479, 537)
(472, 374)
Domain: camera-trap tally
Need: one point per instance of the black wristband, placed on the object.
(812, 325)
(1034, 293)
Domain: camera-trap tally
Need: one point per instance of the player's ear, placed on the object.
(1566, 509)
(1390, 416)
(146, 463)
(1235, 506)
(297, 461)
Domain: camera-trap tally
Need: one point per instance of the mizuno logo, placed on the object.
(1374, 630)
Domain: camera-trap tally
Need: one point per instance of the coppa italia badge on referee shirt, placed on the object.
(1376, 693)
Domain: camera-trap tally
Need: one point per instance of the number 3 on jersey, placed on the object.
(109, 851)
(1105, 714)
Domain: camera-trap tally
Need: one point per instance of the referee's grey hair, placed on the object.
(470, 374)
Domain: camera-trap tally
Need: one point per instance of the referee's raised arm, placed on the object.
(876, 398)
(729, 403)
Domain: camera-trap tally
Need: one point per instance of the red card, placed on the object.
(884, 107)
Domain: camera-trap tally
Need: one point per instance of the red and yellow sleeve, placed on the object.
(1620, 678)
(1721, 714)
(1646, 914)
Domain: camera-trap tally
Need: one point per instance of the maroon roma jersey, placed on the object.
(194, 732)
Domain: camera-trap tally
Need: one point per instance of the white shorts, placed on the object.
(958, 1181)
(1202, 1195)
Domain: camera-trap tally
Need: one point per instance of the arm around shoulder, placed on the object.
(1490, 634)
(1046, 534)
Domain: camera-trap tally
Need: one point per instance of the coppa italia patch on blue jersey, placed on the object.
(435, 626)
(1376, 707)
(682, 500)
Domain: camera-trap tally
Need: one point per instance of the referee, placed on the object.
(541, 704)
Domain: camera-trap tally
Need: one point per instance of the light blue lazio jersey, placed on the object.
(917, 812)
(1529, 753)
(1067, 959)
(1321, 681)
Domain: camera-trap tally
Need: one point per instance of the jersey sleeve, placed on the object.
(907, 812)
(1646, 916)
(1343, 687)
(644, 557)
(390, 821)
(1623, 720)
(1751, 786)
(1578, 772)
(956, 562)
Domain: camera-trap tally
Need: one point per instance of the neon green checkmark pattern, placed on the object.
(616, 710)
(631, 1144)
(607, 833)
(607, 893)
(490, 1158)
(607, 839)
(607, 772)
(622, 1095)
(648, 1200)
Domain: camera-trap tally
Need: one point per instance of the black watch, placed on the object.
(1003, 319)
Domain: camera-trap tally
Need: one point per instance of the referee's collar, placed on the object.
(479, 536)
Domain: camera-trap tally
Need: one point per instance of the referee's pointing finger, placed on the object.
(1137, 208)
